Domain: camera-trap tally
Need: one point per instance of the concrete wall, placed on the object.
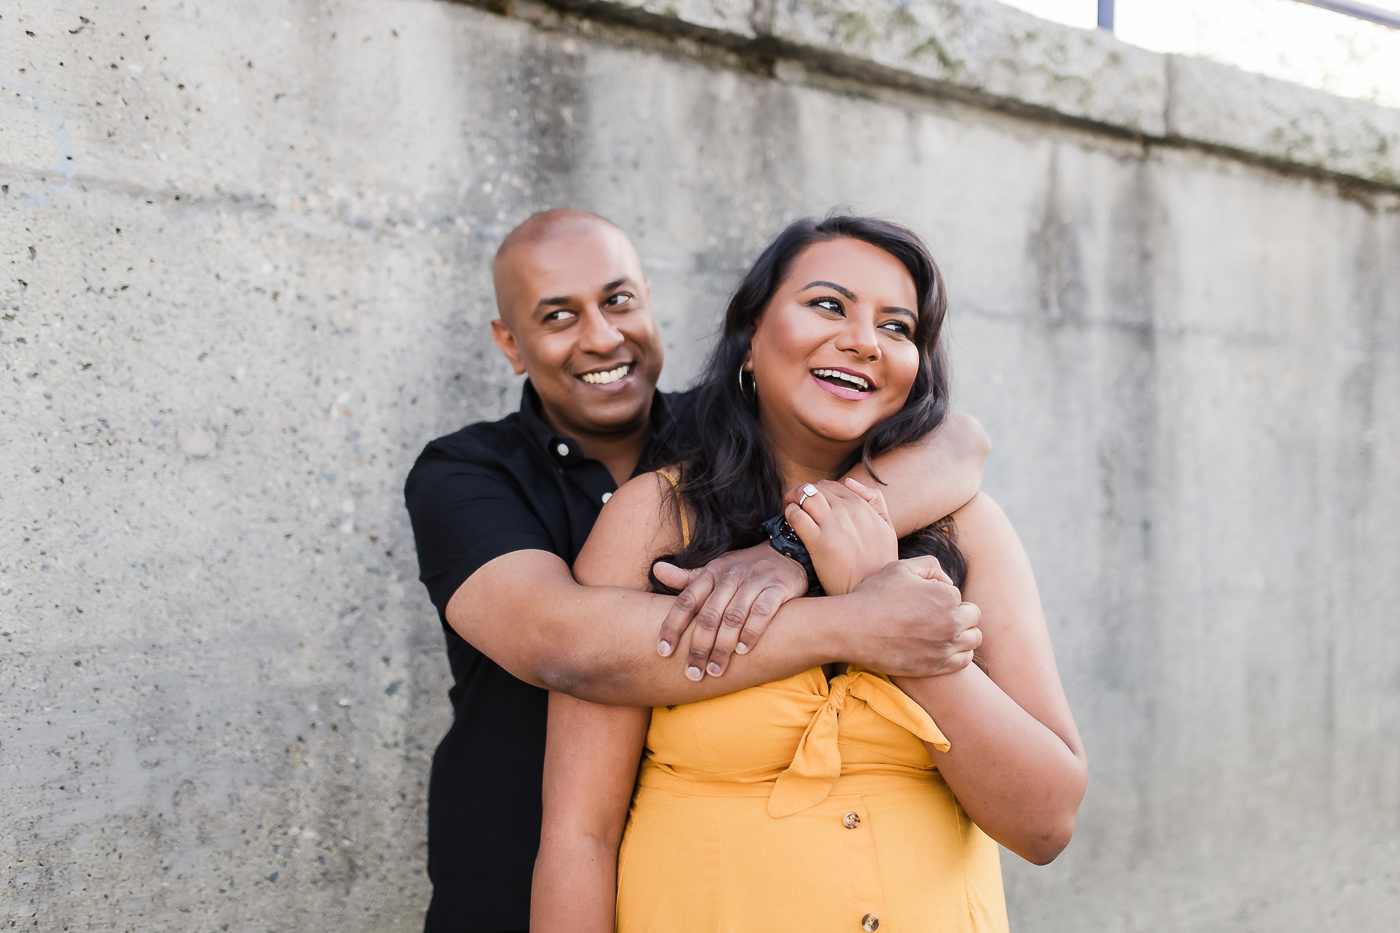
(244, 252)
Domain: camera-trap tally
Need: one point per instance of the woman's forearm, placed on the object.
(1017, 780)
(575, 884)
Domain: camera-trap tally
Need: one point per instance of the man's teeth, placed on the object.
(856, 381)
(602, 379)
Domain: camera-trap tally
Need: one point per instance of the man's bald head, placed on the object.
(516, 255)
(575, 314)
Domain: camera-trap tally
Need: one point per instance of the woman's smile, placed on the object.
(844, 383)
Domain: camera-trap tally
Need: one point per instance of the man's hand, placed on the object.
(730, 600)
(910, 618)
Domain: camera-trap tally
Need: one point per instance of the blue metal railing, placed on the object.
(1347, 7)
(1359, 10)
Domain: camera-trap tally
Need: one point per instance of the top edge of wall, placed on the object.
(999, 54)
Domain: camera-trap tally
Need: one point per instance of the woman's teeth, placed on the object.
(855, 381)
(611, 376)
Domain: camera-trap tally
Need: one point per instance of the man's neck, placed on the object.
(619, 451)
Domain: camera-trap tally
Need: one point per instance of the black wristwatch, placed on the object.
(786, 542)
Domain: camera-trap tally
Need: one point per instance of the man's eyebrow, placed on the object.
(850, 295)
(563, 300)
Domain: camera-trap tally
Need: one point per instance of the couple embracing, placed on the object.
(799, 740)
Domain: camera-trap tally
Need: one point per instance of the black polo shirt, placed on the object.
(488, 490)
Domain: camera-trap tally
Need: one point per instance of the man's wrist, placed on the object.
(831, 628)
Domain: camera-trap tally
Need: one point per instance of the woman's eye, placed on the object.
(828, 304)
(896, 327)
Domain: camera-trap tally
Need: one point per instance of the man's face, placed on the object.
(576, 315)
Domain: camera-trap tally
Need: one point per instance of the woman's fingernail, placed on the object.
(714, 669)
(741, 648)
(693, 673)
(663, 648)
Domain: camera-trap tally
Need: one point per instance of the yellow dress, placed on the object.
(807, 806)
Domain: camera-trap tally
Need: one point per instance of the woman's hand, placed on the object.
(847, 530)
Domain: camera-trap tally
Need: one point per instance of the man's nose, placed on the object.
(599, 335)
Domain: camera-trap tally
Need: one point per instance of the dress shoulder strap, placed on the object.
(680, 507)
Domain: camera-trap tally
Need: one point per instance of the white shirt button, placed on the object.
(870, 923)
(562, 450)
(851, 820)
(606, 497)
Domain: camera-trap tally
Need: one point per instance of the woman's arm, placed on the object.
(592, 751)
(590, 765)
(1016, 763)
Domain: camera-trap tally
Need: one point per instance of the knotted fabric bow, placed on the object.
(817, 764)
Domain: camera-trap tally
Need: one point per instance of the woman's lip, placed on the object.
(851, 372)
(850, 395)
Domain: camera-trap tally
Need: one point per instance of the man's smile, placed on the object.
(602, 377)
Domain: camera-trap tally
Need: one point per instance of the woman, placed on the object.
(833, 800)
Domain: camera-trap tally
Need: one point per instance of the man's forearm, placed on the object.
(933, 478)
(526, 613)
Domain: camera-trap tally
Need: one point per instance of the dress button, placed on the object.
(850, 820)
(870, 923)
(562, 450)
(606, 497)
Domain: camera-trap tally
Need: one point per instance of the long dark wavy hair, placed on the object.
(729, 481)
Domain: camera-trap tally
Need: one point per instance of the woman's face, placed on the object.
(834, 350)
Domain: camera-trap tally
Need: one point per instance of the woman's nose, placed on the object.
(598, 334)
(859, 338)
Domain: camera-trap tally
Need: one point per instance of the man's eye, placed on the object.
(621, 298)
(563, 314)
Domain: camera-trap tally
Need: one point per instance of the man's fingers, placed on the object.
(731, 625)
(683, 611)
(765, 607)
(675, 577)
(927, 566)
(707, 622)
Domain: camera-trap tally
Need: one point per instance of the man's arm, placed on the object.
(932, 478)
(525, 611)
(728, 603)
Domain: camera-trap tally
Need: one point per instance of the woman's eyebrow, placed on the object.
(849, 295)
(895, 309)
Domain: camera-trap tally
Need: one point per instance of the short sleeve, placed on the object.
(464, 516)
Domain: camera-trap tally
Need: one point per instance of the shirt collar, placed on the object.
(565, 451)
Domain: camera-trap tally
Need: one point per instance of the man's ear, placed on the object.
(505, 339)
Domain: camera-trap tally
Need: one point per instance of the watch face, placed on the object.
(780, 532)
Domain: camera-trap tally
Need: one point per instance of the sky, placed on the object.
(1281, 38)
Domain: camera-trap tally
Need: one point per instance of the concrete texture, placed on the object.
(245, 250)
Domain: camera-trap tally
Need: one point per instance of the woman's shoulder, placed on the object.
(984, 530)
(638, 523)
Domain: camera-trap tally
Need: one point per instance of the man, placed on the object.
(501, 510)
